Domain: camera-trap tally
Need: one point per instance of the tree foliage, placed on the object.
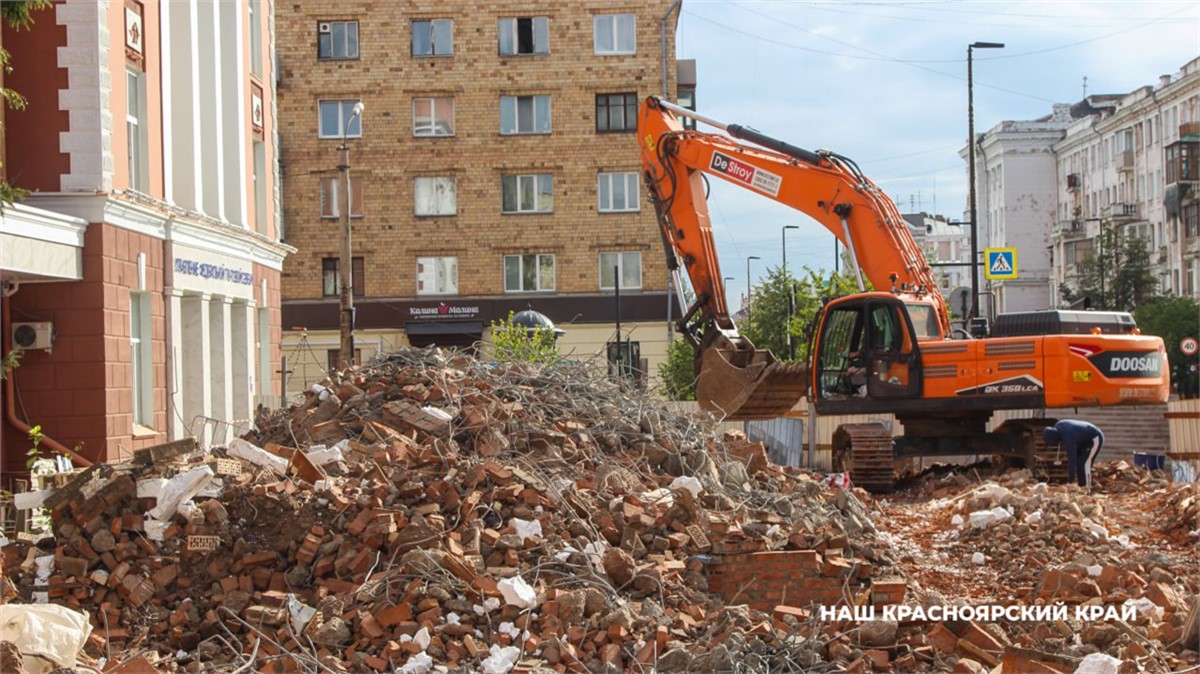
(677, 372)
(766, 321)
(518, 344)
(1173, 318)
(1116, 276)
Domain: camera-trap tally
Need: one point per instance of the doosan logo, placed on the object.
(1134, 364)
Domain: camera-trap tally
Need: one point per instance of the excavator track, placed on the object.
(1046, 463)
(865, 451)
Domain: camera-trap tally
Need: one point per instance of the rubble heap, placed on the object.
(432, 508)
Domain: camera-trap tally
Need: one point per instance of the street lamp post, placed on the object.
(971, 171)
(346, 350)
(787, 327)
(749, 282)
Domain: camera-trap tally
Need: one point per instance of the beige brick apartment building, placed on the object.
(494, 168)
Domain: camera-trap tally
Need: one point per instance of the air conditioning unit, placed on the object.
(38, 335)
(324, 27)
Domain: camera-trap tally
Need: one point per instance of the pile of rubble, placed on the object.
(1039, 545)
(432, 508)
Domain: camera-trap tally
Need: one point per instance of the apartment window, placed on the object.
(528, 273)
(260, 187)
(524, 114)
(618, 192)
(135, 130)
(432, 37)
(334, 117)
(437, 276)
(435, 196)
(337, 40)
(525, 35)
(1191, 220)
(332, 198)
(614, 34)
(616, 112)
(331, 279)
(624, 266)
(256, 56)
(142, 382)
(433, 116)
(527, 193)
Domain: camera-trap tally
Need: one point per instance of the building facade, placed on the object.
(141, 272)
(1112, 164)
(493, 168)
(1016, 197)
(1129, 169)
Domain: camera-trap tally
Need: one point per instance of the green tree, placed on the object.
(518, 344)
(766, 322)
(1116, 276)
(17, 14)
(677, 373)
(1172, 318)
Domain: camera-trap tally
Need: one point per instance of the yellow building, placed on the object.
(493, 168)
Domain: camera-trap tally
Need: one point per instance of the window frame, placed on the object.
(453, 182)
(332, 56)
(513, 28)
(628, 107)
(519, 179)
(516, 115)
(620, 258)
(345, 112)
(433, 123)
(136, 136)
(438, 260)
(141, 344)
(613, 20)
(538, 263)
(629, 177)
(432, 27)
(356, 197)
(357, 276)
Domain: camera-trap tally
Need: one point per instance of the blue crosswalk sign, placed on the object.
(1001, 263)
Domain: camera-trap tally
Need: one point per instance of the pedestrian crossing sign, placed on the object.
(1001, 263)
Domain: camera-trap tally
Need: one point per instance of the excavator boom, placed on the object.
(734, 378)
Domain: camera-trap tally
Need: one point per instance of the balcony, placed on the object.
(1119, 213)
(1189, 129)
(1124, 161)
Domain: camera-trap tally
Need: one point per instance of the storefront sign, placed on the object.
(443, 311)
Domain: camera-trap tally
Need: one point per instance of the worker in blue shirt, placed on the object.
(1082, 442)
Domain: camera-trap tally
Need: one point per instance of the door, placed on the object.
(891, 361)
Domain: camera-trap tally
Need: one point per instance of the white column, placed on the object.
(197, 372)
(242, 356)
(176, 428)
(208, 107)
(233, 85)
(219, 350)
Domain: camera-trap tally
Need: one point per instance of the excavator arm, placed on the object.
(734, 378)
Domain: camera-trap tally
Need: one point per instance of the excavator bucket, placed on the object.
(748, 384)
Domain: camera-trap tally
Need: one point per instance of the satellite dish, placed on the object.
(960, 302)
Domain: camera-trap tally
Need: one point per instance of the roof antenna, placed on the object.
(1085, 87)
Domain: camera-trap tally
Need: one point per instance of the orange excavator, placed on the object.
(891, 351)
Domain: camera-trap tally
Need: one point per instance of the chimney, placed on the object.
(1164, 81)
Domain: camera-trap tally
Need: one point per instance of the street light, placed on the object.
(971, 171)
(725, 284)
(787, 327)
(346, 351)
(749, 281)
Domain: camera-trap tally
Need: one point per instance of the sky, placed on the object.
(885, 84)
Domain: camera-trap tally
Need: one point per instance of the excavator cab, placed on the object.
(866, 350)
